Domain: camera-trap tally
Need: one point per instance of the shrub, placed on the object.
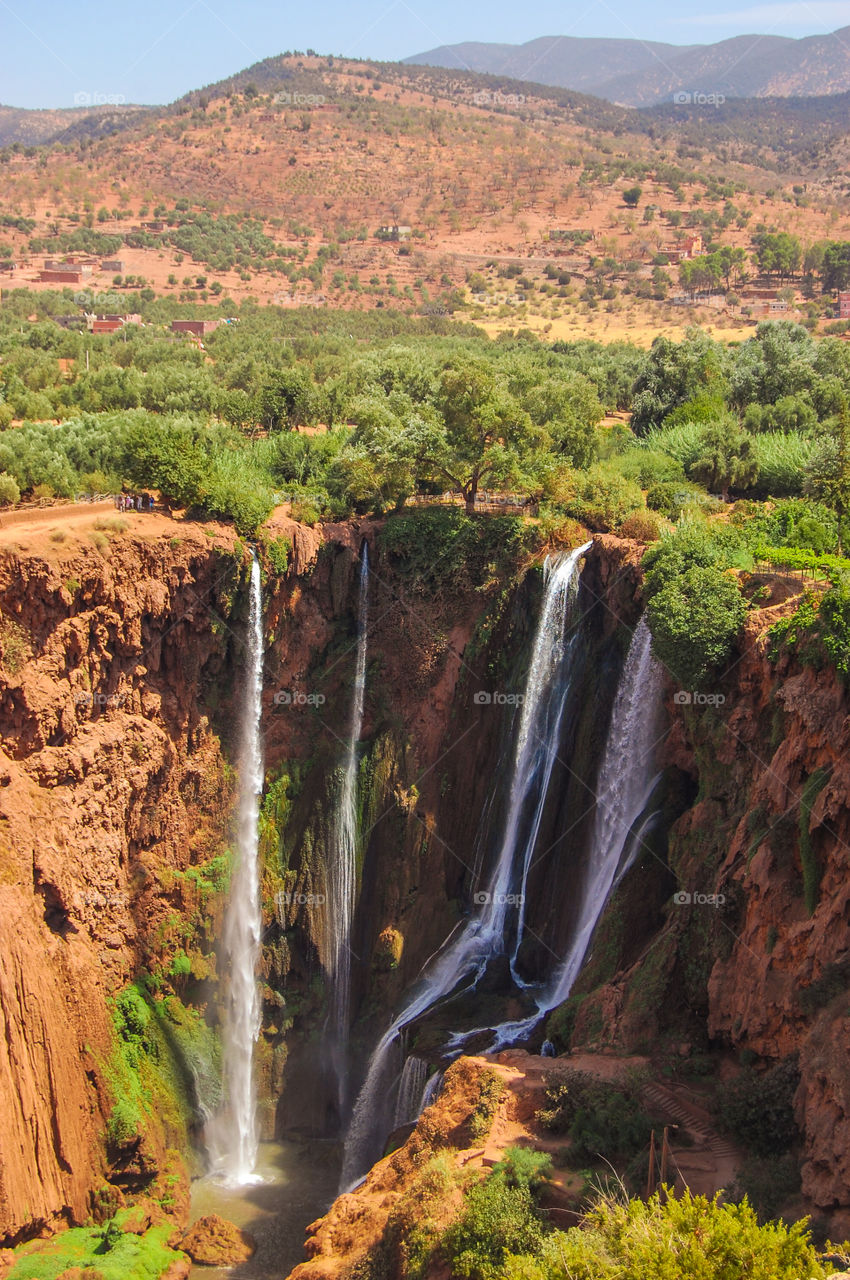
(602, 1120)
(500, 1219)
(682, 1236)
(694, 622)
(277, 554)
(758, 1109)
(490, 1090)
(644, 526)
(604, 498)
(9, 491)
(819, 631)
(767, 1182)
(650, 466)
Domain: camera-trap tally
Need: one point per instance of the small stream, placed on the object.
(299, 1184)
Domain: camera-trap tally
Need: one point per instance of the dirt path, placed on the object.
(48, 531)
(705, 1161)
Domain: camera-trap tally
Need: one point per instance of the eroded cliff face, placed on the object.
(761, 786)
(109, 773)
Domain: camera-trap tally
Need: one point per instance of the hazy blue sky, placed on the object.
(52, 51)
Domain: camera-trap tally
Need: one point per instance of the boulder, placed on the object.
(215, 1242)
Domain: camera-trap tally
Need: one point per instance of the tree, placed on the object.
(835, 271)
(778, 253)
(168, 459)
(485, 437)
(694, 620)
(286, 399)
(632, 195)
(727, 458)
(672, 374)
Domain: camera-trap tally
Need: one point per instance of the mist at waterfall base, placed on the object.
(343, 864)
(232, 1135)
(625, 783)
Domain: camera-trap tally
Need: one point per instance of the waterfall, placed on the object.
(431, 1091)
(540, 729)
(410, 1090)
(233, 1132)
(626, 781)
(482, 936)
(343, 869)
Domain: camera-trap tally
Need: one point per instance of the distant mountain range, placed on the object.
(639, 73)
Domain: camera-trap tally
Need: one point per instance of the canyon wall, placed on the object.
(120, 674)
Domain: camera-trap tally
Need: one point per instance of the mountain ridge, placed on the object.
(639, 73)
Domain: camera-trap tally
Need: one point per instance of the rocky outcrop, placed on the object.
(215, 1242)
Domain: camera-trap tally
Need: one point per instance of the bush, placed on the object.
(490, 1090)
(9, 491)
(604, 499)
(819, 631)
(500, 1219)
(277, 554)
(758, 1109)
(685, 1236)
(650, 466)
(694, 621)
(767, 1182)
(603, 1121)
(643, 526)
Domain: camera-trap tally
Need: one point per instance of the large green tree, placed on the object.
(727, 457)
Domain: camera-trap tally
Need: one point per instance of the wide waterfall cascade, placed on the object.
(465, 954)
(343, 869)
(233, 1134)
(627, 779)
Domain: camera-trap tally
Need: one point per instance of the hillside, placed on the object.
(640, 73)
(275, 183)
(34, 128)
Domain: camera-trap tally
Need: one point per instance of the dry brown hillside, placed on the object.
(486, 181)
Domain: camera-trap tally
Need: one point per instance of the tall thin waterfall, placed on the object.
(233, 1134)
(540, 729)
(410, 1089)
(482, 937)
(627, 778)
(343, 870)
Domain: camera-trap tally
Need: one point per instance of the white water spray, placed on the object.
(482, 936)
(627, 779)
(233, 1134)
(410, 1090)
(343, 869)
